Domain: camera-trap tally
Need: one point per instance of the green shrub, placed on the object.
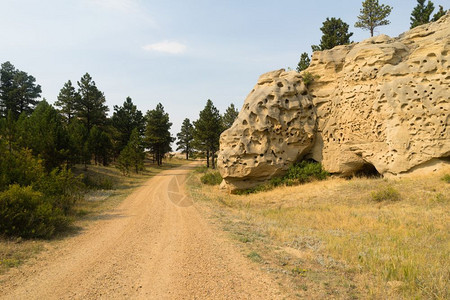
(211, 178)
(98, 182)
(27, 213)
(386, 194)
(62, 187)
(19, 167)
(308, 78)
(254, 256)
(446, 178)
(304, 171)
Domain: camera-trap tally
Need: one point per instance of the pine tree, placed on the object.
(90, 107)
(43, 133)
(421, 13)
(8, 131)
(137, 150)
(99, 145)
(67, 101)
(185, 137)
(157, 134)
(125, 119)
(304, 62)
(229, 116)
(440, 13)
(124, 161)
(18, 91)
(335, 32)
(207, 132)
(7, 72)
(373, 15)
(133, 155)
(78, 136)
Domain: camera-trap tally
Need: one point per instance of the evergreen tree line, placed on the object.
(40, 143)
(372, 15)
(203, 134)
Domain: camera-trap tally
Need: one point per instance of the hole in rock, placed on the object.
(367, 170)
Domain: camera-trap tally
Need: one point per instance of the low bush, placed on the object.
(305, 171)
(299, 173)
(19, 167)
(27, 213)
(446, 178)
(98, 182)
(211, 178)
(386, 194)
(62, 188)
(308, 78)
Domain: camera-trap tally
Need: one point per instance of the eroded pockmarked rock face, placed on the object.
(275, 127)
(383, 102)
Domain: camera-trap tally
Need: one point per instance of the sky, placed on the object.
(179, 53)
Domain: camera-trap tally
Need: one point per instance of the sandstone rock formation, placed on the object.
(383, 103)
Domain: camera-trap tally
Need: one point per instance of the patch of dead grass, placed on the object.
(400, 249)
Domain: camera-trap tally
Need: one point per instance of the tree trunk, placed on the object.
(207, 158)
(371, 31)
(213, 163)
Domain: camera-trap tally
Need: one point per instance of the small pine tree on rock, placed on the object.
(304, 62)
(439, 14)
(373, 15)
(421, 13)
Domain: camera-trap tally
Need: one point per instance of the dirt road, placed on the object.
(155, 245)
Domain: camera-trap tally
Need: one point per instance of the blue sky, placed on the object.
(179, 53)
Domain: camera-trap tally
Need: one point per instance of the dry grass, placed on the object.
(14, 252)
(385, 247)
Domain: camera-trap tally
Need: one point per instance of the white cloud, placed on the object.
(166, 47)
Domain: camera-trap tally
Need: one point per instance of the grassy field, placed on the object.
(346, 239)
(107, 189)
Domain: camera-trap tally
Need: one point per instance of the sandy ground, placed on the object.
(155, 245)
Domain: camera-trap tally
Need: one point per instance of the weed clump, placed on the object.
(386, 194)
(98, 182)
(308, 78)
(297, 271)
(446, 178)
(211, 178)
(254, 256)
